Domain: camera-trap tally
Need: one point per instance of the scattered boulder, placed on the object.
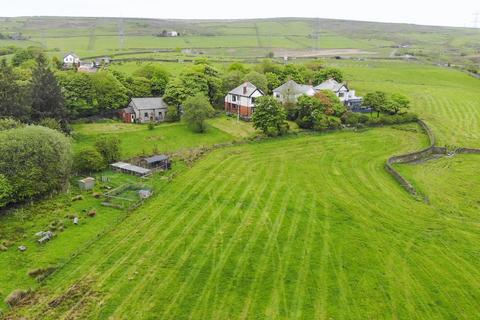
(92, 213)
(17, 297)
(22, 248)
(77, 198)
(3, 248)
(44, 236)
(41, 273)
(96, 195)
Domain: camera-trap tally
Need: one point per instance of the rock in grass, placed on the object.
(17, 296)
(77, 198)
(22, 248)
(3, 248)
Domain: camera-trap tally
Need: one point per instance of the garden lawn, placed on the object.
(137, 139)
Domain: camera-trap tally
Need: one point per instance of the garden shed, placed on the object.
(157, 161)
(87, 183)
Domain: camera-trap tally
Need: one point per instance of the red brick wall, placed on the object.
(244, 111)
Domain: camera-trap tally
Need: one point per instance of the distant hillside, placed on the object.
(244, 38)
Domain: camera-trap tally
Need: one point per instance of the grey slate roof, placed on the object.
(149, 103)
(330, 84)
(293, 87)
(156, 158)
(250, 90)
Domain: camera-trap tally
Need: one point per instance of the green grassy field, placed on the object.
(448, 100)
(137, 139)
(312, 227)
(257, 37)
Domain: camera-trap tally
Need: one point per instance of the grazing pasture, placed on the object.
(307, 227)
(448, 100)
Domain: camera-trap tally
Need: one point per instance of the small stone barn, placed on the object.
(157, 161)
(144, 110)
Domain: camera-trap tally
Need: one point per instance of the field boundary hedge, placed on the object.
(421, 155)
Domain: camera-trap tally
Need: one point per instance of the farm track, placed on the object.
(280, 229)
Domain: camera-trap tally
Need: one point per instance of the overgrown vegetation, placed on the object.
(33, 161)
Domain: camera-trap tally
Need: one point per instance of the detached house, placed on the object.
(71, 59)
(341, 90)
(290, 91)
(241, 100)
(144, 110)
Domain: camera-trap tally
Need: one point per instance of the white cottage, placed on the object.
(241, 100)
(144, 110)
(290, 91)
(71, 59)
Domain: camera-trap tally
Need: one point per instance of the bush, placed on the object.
(151, 125)
(51, 124)
(173, 114)
(35, 161)
(9, 123)
(89, 160)
(5, 190)
(109, 149)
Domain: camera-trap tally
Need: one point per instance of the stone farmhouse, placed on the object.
(241, 101)
(143, 110)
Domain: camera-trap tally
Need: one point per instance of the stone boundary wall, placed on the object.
(468, 151)
(413, 156)
(420, 155)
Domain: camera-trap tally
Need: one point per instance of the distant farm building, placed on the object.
(241, 100)
(142, 110)
(71, 59)
(342, 91)
(290, 91)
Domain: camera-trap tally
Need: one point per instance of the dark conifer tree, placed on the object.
(47, 98)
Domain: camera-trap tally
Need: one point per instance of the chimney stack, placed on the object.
(245, 88)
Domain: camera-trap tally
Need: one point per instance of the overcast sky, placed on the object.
(440, 12)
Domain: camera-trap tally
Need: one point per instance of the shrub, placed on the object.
(173, 114)
(5, 190)
(35, 161)
(109, 148)
(9, 123)
(51, 124)
(89, 160)
(151, 125)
